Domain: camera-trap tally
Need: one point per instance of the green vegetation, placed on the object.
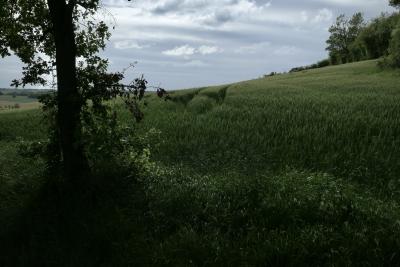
(12, 100)
(343, 34)
(341, 120)
(353, 40)
(296, 169)
(289, 170)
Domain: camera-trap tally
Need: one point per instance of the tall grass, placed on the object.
(27, 124)
(342, 120)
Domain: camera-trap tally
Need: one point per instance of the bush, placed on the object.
(323, 63)
(393, 59)
(271, 74)
(374, 40)
(319, 64)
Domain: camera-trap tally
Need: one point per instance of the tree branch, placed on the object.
(86, 5)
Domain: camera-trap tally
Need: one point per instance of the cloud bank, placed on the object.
(190, 43)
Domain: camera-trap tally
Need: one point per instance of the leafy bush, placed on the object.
(393, 59)
(323, 63)
(373, 41)
(351, 40)
(320, 64)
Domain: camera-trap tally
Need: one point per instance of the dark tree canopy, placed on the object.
(395, 3)
(29, 28)
(62, 38)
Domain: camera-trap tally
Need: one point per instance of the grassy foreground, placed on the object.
(292, 170)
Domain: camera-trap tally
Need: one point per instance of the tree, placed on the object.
(393, 58)
(394, 50)
(395, 3)
(373, 41)
(343, 33)
(49, 36)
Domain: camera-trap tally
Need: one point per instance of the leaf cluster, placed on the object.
(25, 30)
(342, 35)
(395, 3)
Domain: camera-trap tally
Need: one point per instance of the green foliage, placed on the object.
(320, 64)
(14, 126)
(395, 3)
(26, 28)
(292, 219)
(110, 146)
(70, 35)
(78, 222)
(352, 40)
(395, 47)
(342, 34)
(373, 41)
(393, 59)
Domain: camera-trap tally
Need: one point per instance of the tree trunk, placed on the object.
(74, 162)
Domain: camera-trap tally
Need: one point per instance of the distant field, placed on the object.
(8, 103)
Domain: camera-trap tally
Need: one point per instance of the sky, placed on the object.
(192, 43)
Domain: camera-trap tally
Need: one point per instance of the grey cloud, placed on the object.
(168, 6)
(252, 37)
(219, 17)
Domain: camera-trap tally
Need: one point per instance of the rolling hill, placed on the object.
(298, 169)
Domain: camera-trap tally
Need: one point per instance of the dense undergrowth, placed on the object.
(290, 170)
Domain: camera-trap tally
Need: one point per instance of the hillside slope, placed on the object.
(292, 170)
(343, 120)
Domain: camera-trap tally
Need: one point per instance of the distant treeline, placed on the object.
(352, 39)
(319, 64)
(34, 94)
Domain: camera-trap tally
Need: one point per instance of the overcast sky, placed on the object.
(191, 43)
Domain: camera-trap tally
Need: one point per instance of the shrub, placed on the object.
(320, 64)
(323, 63)
(393, 59)
(374, 40)
(270, 74)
